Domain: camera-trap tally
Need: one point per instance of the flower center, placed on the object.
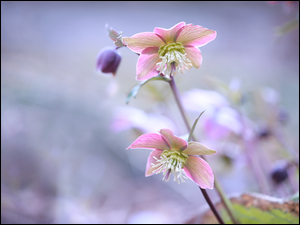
(171, 162)
(173, 59)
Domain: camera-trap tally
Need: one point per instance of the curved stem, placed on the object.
(176, 95)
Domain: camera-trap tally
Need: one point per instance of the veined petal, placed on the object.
(194, 55)
(196, 148)
(150, 141)
(176, 143)
(200, 172)
(149, 169)
(140, 41)
(146, 64)
(169, 35)
(196, 35)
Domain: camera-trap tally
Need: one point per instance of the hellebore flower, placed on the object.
(108, 60)
(173, 155)
(169, 51)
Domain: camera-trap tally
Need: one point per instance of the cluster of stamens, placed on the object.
(173, 59)
(171, 162)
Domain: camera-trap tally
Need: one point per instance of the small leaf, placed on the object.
(193, 127)
(136, 88)
(115, 36)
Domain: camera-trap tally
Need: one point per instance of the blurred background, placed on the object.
(65, 126)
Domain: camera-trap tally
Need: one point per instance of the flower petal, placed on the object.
(194, 55)
(146, 64)
(200, 172)
(196, 148)
(176, 143)
(196, 35)
(169, 35)
(150, 141)
(140, 41)
(149, 169)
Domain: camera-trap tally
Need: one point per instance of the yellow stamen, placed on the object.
(173, 59)
(171, 162)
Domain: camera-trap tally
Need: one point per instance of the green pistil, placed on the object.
(177, 157)
(175, 46)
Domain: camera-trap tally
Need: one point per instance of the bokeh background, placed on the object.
(62, 161)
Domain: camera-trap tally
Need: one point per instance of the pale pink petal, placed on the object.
(150, 141)
(196, 148)
(140, 41)
(200, 172)
(169, 35)
(149, 169)
(176, 143)
(194, 55)
(196, 35)
(146, 64)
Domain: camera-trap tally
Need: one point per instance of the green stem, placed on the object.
(176, 95)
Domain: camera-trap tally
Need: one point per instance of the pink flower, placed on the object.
(172, 154)
(169, 51)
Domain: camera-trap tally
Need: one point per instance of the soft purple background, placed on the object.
(61, 162)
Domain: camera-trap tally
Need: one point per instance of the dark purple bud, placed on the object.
(108, 60)
(279, 173)
(264, 133)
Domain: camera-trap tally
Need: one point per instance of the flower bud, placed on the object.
(279, 175)
(279, 172)
(264, 133)
(108, 60)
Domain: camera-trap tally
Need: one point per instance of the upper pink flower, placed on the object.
(169, 51)
(172, 154)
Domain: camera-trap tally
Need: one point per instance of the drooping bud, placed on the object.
(108, 60)
(279, 175)
(279, 172)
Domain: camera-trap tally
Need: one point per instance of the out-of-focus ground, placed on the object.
(61, 162)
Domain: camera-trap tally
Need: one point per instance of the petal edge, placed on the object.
(196, 148)
(200, 172)
(149, 141)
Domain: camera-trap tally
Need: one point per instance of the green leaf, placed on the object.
(257, 209)
(295, 197)
(136, 88)
(288, 27)
(193, 127)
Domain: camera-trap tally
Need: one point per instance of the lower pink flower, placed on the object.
(173, 155)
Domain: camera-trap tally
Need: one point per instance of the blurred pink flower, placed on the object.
(130, 117)
(169, 51)
(219, 120)
(199, 100)
(172, 154)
